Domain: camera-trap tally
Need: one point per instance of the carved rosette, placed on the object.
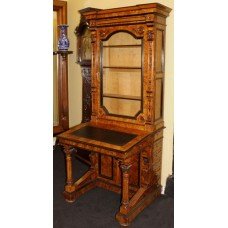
(139, 31)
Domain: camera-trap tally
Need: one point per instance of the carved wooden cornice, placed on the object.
(145, 13)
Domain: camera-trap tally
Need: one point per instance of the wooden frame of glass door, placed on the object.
(63, 110)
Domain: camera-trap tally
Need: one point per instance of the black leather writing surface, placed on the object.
(108, 136)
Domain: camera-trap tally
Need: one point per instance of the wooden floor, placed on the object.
(97, 208)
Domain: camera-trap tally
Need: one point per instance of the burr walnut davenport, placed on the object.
(125, 132)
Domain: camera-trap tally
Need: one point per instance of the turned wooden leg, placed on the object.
(70, 187)
(125, 188)
(124, 208)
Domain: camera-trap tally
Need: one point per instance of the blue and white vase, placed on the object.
(63, 42)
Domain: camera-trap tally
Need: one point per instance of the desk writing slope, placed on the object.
(125, 133)
(104, 135)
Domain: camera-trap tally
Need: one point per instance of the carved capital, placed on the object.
(150, 35)
(125, 167)
(93, 38)
(67, 149)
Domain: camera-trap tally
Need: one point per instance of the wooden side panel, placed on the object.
(157, 159)
(159, 99)
(134, 173)
(159, 59)
(106, 166)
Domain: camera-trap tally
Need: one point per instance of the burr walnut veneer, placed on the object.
(125, 132)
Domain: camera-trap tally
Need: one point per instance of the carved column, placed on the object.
(69, 188)
(125, 188)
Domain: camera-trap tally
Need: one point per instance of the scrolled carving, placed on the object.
(141, 118)
(103, 33)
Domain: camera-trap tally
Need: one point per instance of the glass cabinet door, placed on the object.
(121, 74)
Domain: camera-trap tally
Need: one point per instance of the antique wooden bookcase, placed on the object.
(126, 128)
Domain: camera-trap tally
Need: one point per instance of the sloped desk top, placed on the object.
(109, 140)
(104, 135)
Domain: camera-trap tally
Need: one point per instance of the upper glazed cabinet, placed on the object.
(128, 65)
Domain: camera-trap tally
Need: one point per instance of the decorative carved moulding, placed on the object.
(153, 12)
